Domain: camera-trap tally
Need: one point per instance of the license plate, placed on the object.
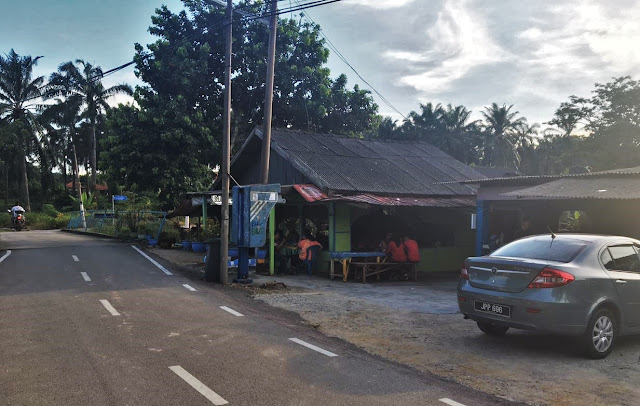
(493, 308)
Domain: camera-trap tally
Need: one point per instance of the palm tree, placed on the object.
(84, 82)
(66, 115)
(460, 136)
(19, 93)
(502, 126)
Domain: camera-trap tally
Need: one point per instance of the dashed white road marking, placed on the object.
(450, 402)
(199, 386)
(191, 288)
(75, 258)
(109, 308)
(154, 262)
(5, 256)
(313, 347)
(85, 276)
(235, 313)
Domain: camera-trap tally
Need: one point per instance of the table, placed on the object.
(377, 268)
(345, 257)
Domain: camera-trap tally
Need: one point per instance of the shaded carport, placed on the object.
(607, 201)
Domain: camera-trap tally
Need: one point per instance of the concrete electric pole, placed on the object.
(226, 158)
(268, 99)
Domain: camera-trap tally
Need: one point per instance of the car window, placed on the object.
(559, 249)
(607, 261)
(625, 258)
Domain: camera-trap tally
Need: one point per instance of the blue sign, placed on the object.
(119, 198)
(251, 208)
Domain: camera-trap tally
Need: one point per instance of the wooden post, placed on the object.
(272, 234)
(204, 212)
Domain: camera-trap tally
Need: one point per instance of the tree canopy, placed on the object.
(167, 142)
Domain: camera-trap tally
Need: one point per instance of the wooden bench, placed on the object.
(378, 268)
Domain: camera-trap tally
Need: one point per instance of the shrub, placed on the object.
(50, 211)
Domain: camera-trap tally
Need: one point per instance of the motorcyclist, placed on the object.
(15, 210)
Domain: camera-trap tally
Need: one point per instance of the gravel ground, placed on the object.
(527, 367)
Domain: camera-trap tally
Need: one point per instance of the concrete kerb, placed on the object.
(91, 233)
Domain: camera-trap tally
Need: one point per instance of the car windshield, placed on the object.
(558, 249)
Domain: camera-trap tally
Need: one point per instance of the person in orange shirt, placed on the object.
(305, 254)
(411, 248)
(395, 250)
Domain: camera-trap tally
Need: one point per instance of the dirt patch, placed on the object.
(526, 367)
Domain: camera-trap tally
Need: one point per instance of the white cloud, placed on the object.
(117, 99)
(579, 43)
(382, 4)
(460, 42)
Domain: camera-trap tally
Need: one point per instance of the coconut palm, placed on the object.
(20, 93)
(84, 82)
(65, 115)
(503, 135)
(459, 137)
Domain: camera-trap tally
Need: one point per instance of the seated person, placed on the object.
(395, 250)
(15, 210)
(382, 246)
(411, 248)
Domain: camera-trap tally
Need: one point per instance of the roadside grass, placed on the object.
(44, 220)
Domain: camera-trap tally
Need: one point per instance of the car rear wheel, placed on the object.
(492, 329)
(600, 335)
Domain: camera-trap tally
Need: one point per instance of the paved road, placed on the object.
(86, 321)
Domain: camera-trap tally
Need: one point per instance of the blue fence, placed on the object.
(120, 223)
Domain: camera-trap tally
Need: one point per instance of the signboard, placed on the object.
(214, 200)
(251, 208)
(310, 193)
(119, 198)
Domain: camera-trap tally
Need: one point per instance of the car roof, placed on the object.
(593, 238)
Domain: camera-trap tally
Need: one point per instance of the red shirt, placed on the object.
(413, 253)
(304, 246)
(396, 252)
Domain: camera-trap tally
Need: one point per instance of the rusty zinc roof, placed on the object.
(591, 187)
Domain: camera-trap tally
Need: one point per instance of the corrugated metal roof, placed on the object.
(583, 188)
(355, 165)
(406, 201)
(514, 180)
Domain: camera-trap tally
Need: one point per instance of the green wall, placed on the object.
(339, 227)
(443, 259)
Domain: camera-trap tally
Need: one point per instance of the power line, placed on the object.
(295, 8)
(299, 7)
(342, 57)
(310, 4)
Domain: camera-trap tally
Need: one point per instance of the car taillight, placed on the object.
(464, 274)
(551, 278)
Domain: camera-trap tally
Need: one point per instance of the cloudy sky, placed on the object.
(532, 54)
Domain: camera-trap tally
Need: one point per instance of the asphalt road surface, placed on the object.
(88, 321)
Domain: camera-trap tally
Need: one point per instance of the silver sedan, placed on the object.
(571, 284)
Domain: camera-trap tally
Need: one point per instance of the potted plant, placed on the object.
(206, 235)
(151, 234)
(142, 231)
(167, 238)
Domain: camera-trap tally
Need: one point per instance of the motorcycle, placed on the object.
(18, 220)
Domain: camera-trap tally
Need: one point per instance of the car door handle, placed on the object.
(621, 282)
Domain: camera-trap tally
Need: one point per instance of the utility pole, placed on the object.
(226, 159)
(268, 99)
